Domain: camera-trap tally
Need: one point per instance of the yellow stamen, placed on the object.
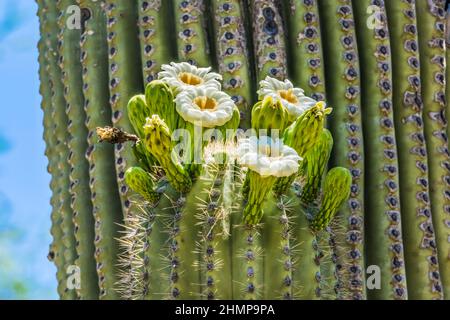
(288, 95)
(190, 78)
(205, 103)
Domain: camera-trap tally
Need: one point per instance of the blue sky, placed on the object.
(25, 272)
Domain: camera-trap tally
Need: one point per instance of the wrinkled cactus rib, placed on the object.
(383, 237)
(69, 52)
(421, 261)
(61, 121)
(431, 32)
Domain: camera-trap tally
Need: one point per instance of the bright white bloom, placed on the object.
(267, 156)
(184, 75)
(293, 99)
(205, 106)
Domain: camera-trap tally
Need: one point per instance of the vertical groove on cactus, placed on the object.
(431, 34)
(383, 236)
(447, 67)
(69, 51)
(106, 203)
(191, 32)
(418, 236)
(277, 243)
(60, 118)
(268, 39)
(56, 251)
(232, 54)
(305, 47)
(154, 34)
(343, 94)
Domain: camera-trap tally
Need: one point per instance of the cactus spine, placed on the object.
(343, 94)
(431, 33)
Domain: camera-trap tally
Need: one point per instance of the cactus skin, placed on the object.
(343, 93)
(431, 33)
(69, 52)
(105, 197)
(125, 79)
(141, 182)
(154, 34)
(383, 237)
(232, 54)
(268, 40)
(191, 33)
(447, 69)
(60, 118)
(305, 47)
(420, 253)
(56, 250)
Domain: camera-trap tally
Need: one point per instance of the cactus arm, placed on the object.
(268, 40)
(383, 223)
(56, 252)
(343, 87)
(419, 244)
(154, 34)
(125, 79)
(60, 118)
(431, 34)
(191, 33)
(276, 235)
(69, 51)
(232, 54)
(107, 208)
(306, 59)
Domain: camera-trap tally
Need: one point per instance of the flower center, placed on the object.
(205, 103)
(288, 95)
(190, 78)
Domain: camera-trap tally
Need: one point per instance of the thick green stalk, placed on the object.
(232, 54)
(278, 248)
(421, 260)
(268, 40)
(305, 47)
(431, 33)
(383, 238)
(343, 94)
(105, 197)
(447, 68)
(191, 32)
(125, 80)
(155, 35)
(56, 252)
(69, 51)
(61, 133)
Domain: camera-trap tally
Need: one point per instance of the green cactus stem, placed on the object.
(431, 33)
(105, 197)
(125, 80)
(268, 39)
(383, 238)
(60, 118)
(305, 47)
(315, 165)
(232, 54)
(69, 52)
(421, 261)
(154, 34)
(191, 32)
(56, 251)
(343, 94)
(447, 70)
(259, 189)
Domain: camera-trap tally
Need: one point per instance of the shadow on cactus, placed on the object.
(223, 213)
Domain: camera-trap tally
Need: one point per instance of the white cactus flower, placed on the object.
(293, 99)
(267, 156)
(205, 106)
(183, 75)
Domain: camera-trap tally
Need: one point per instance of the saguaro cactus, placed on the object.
(184, 203)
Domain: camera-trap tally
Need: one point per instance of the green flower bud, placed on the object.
(258, 190)
(160, 101)
(141, 182)
(270, 115)
(336, 190)
(138, 111)
(157, 140)
(315, 165)
(305, 131)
